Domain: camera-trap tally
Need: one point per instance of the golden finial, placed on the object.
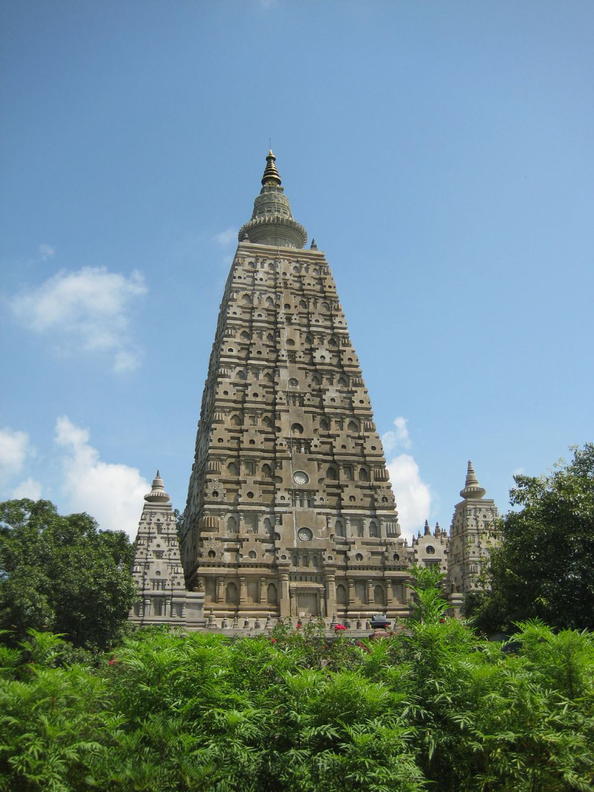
(271, 174)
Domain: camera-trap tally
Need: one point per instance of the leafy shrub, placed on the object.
(434, 707)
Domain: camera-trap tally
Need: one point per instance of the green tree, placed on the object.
(543, 568)
(61, 573)
(429, 604)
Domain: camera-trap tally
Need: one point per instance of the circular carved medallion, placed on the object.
(300, 477)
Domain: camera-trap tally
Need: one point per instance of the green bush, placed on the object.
(434, 707)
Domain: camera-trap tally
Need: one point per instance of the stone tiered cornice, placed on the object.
(275, 230)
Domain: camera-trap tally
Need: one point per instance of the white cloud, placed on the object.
(46, 251)
(413, 495)
(126, 360)
(87, 310)
(397, 437)
(226, 237)
(27, 489)
(111, 493)
(14, 449)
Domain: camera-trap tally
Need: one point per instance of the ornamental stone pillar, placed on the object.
(330, 594)
(389, 593)
(220, 590)
(284, 603)
(351, 587)
(242, 591)
(406, 593)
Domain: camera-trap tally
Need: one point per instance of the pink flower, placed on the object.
(339, 627)
(113, 661)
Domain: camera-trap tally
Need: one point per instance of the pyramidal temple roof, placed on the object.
(272, 221)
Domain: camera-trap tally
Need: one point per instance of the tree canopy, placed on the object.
(61, 573)
(545, 566)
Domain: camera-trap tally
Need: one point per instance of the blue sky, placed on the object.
(441, 154)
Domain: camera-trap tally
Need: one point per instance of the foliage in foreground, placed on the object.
(431, 708)
(545, 566)
(61, 573)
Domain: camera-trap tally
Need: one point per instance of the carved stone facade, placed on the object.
(157, 569)
(290, 512)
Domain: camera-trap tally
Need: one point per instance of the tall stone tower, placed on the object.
(472, 536)
(290, 513)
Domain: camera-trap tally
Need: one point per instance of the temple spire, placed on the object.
(272, 222)
(271, 174)
(472, 489)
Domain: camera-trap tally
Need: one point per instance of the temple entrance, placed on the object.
(308, 604)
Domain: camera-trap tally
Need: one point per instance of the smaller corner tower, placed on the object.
(473, 533)
(157, 569)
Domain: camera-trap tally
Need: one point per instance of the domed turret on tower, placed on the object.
(472, 490)
(157, 493)
(272, 222)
